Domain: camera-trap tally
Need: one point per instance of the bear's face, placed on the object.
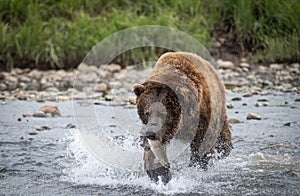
(159, 111)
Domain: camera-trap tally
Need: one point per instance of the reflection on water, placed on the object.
(265, 159)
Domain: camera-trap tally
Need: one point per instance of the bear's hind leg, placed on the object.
(224, 144)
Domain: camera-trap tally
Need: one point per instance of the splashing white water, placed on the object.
(88, 170)
(224, 176)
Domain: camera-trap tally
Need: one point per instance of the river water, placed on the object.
(56, 161)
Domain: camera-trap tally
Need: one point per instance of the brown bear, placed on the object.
(183, 99)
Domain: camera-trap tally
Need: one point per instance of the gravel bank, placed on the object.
(111, 83)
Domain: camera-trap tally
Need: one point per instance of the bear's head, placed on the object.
(159, 109)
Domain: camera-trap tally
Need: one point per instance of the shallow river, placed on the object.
(265, 159)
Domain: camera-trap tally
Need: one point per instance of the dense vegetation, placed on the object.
(58, 33)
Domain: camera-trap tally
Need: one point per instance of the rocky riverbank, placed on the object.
(111, 83)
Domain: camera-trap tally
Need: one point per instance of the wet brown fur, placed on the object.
(151, 91)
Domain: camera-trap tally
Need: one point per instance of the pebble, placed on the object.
(276, 66)
(253, 116)
(50, 109)
(63, 98)
(225, 64)
(234, 121)
(109, 98)
(130, 106)
(263, 100)
(244, 65)
(236, 99)
(258, 104)
(114, 68)
(112, 78)
(26, 115)
(80, 95)
(230, 106)
(33, 133)
(43, 128)
(70, 126)
(132, 100)
(247, 94)
(101, 87)
(39, 114)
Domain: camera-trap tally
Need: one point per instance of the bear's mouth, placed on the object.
(156, 162)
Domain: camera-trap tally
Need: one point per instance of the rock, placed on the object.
(258, 104)
(52, 89)
(39, 114)
(236, 99)
(263, 100)
(225, 64)
(244, 104)
(243, 60)
(130, 106)
(26, 115)
(83, 67)
(109, 98)
(101, 87)
(42, 95)
(115, 84)
(22, 95)
(132, 100)
(230, 106)
(70, 126)
(43, 128)
(3, 87)
(35, 74)
(287, 124)
(232, 84)
(247, 94)
(276, 66)
(33, 133)
(63, 98)
(244, 65)
(114, 68)
(233, 121)
(23, 78)
(253, 116)
(296, 65)
(2, 76)
(50, 109)
(297, 98)
(262, 69)
(265, 103)
(80, 95)
(11, 79)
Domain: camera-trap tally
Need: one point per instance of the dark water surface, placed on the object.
(265, 159)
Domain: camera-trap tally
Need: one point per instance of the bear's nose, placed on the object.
(150, 135)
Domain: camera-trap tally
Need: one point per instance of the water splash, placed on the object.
(237, 173)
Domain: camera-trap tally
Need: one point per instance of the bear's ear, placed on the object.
(138, 89)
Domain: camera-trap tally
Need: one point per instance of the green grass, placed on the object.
(57, 34)
(270, 29)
